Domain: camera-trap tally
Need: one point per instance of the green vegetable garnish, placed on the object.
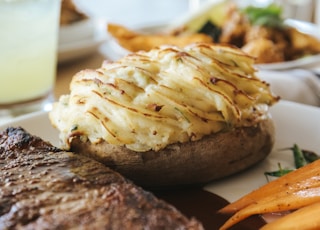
(302, 157)
(299, 159)
(279, 172)
(264, 16)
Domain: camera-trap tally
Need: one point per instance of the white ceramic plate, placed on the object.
(295, 123)
(114, 51)
(81, 39)
(76, 31)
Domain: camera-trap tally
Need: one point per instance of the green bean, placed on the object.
(299, 159)
(308, 155)
(302, 157)
(279, 172)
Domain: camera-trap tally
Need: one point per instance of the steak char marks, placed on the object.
(43, 187)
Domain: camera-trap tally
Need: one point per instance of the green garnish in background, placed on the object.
(264, 16)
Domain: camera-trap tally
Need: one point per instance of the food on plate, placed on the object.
(135, 41)
(298, 190)
(305, 218)
(264, 50)
(70, 13)
(302, 157)
(262, 33)
(43, 187)
(171, 116)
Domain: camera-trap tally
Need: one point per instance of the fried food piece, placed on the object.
(302, 43)
(70, 13)
(134, 41)
(264, 50)
(288, 41)
(277, 35)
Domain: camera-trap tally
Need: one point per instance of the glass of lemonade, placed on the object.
(28, 55)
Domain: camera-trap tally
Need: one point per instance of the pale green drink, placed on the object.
(28, 49)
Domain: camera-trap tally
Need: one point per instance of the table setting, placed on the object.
(86, 47)
(276, 72)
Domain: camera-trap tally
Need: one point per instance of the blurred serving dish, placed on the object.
(79, 30)
(80, 39)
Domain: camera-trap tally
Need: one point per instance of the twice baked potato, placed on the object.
(194, 162)
(171, 116)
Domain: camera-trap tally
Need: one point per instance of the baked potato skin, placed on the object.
(182, 164)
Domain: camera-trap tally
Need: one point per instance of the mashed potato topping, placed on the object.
(148, 100)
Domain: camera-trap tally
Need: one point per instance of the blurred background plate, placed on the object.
(305, 27)
(80, 30)
(80, 39)
(114, 51)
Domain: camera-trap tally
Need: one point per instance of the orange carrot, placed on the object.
(285, 201)
(306, 218)
(300, 179)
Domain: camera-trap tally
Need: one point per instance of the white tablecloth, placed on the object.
(299, 85)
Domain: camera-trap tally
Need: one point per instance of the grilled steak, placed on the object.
(43, 187)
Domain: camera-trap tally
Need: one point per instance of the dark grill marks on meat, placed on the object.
(43, 187)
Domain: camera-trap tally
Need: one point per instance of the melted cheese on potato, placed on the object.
(148, 100)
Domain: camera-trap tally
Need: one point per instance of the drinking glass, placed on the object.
(28, 55)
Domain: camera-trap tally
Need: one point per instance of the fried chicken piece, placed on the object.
(264, 50)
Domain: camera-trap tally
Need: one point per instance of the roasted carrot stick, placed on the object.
(287, 200)
(306, 218)
(299, 179)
